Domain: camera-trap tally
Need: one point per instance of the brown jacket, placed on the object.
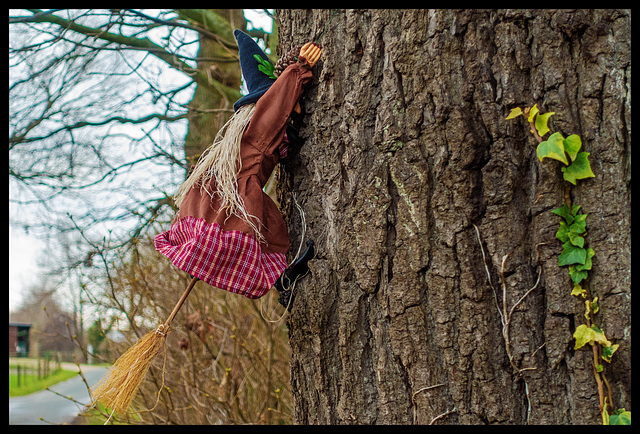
(259, 155)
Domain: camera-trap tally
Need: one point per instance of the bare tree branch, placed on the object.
(120, 119)
(136, 43)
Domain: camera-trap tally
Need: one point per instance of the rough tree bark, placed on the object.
(407, 148)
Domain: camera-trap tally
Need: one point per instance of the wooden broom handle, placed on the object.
(179, 305)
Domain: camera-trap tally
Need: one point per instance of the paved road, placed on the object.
(28, 409)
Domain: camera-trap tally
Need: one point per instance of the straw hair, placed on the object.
(118, 388)
(221, 162)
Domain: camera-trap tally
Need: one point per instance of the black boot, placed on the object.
(295, 271)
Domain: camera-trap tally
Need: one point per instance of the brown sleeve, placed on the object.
(267, 125)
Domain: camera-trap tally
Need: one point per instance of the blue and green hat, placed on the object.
(257, 81)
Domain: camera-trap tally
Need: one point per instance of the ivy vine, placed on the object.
(576, 255)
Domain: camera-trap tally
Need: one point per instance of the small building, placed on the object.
(19, 339)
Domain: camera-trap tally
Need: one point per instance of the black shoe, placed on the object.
(285, 299)
(293, 272)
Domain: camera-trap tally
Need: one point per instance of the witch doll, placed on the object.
(228, 232)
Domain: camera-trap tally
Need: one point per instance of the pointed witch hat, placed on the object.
(257, 81)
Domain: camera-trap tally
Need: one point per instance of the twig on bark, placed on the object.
(506, 314)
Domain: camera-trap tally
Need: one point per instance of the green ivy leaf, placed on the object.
(583, 336)
(580, 169)
(541, 123)
(594, 305)
(572, 145)
(572, 255)
(515, 112)
(563, 233)
(579, 224)
(620, 417)
(579, 291)
(553, 147)
(571, 233)
(599, 337)
(533, 112)
(587, 309)
(574, 209)
(577, 276)
(587, 263)
(591, 307)
(576, 239)
(607, 352)
(567, 213)
(591, 335)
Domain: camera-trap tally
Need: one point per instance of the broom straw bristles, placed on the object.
(119, 386)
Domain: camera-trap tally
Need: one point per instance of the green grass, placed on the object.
(94, 417)
(31, 384)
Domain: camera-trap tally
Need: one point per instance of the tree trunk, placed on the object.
(407, 152)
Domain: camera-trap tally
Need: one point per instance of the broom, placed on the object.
(118, 387)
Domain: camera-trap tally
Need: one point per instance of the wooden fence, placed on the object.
(39, 368)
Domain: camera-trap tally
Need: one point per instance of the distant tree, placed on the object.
(96, 334)
(52, 327)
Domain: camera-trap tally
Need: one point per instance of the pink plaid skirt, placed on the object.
(230, 260)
